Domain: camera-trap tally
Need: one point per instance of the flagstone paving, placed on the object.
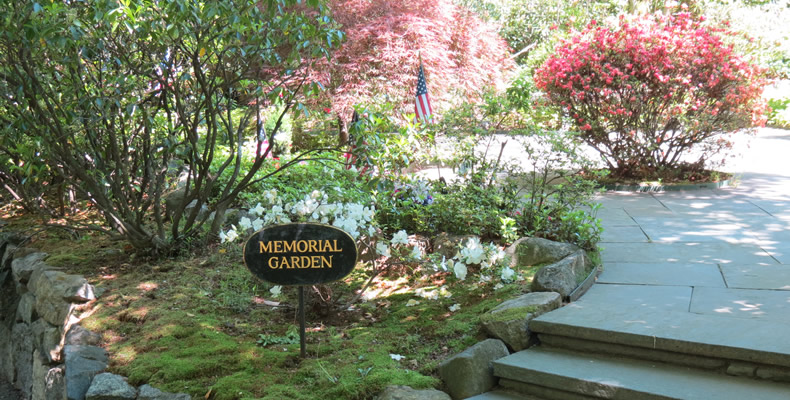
(698, 278)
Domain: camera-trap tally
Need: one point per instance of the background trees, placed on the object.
(114, 94)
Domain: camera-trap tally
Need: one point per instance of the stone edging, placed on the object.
(44, 353)
(665, 188)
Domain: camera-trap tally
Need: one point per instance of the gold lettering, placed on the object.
(289, 246)
(337, 249)
(265, 247)
(311, 244)
(301, 246)
(276, 263)
(284, 263)
(305, 262)
(326, 261)
(278, 246)
(295, 262)
(327, 246)
(315, 262)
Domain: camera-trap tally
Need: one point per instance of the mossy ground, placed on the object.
(192, 323)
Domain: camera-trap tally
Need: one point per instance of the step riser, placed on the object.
(562, 374)
(728, 367)
(694, 352)
(540, 391)
(576, 390)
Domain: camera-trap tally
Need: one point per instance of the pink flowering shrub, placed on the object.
(646, 92)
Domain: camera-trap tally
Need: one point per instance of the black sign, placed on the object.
(300, 254)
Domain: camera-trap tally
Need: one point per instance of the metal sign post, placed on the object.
(300, 254)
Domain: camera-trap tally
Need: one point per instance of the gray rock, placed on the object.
(49, 382)
(82, 364)
(48, 339)
(23, 267)
(397, 392)
(6, 354)
(107, 386)
(470, 372)
(203, 213)
(56, 291)
(22, 348)
(509, 321)
(562, 276)
(148, 392)
(534, 251)
(448, 245)
(174, 200)
(25, 309)
(78, 335)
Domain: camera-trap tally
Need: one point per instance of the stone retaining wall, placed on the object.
(38, 303)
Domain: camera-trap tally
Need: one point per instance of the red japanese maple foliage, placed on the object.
(379, 60)
(645, 92)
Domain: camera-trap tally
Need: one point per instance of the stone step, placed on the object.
(669, 333)
(564, 375)
(500, 394)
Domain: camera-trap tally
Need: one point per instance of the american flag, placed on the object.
(422, 105)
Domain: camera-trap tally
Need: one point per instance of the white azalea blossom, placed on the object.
(412, 303)
(460, 270)
(245, 223)
(416, 253)
(257, 210)
(507, 274)
(400, 237)
(257, 224)
(276, 290)
(455, 307)
(383, 250)
(397, 357)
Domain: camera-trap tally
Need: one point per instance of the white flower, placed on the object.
(228, 236)
(473, 255)
(397, 357)
(485, 278)
(383, 250)
(455, 307)
(412, 303)
(400, 237)
(276, 290)
(416, 253)
(498, 286)
(507, 274)
(257, 224)
(245, 223)
(316, 194)
(257, 210)
(460, 270)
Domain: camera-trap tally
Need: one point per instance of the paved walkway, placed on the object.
(720, 255)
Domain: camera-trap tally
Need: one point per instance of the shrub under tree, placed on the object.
(647, 91)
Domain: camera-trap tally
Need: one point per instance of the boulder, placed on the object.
(25, 309)
(562, 276)
(535, 251)
(448, 245)
(107, 386)
(80, 336)
(397, 392)
(203, 213)
(23, 267)
(148, 392)
(470, 372)
(82, 364)
(49, 382)
(47, 339)
(7, 370)
(56, 292)
(173, 200)
(22, 354)
(509, 321)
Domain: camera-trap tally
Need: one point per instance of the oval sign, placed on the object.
(300, 254)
